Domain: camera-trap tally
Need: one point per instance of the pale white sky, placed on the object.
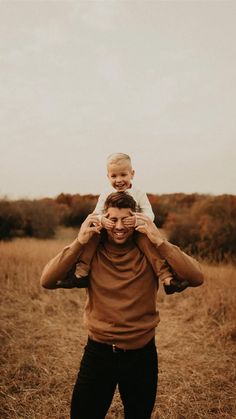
(83, 79)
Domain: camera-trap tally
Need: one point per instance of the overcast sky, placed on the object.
(82, 79)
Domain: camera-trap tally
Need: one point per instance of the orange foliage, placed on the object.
(200, 224)
(207, 229)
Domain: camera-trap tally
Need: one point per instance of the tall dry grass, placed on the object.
(43, 336)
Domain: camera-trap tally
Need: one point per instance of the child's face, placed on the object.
(120, 176)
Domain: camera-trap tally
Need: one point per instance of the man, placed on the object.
(121, 312)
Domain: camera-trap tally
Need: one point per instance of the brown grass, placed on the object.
(43, 336)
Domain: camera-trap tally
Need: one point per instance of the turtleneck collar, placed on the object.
(119, 248)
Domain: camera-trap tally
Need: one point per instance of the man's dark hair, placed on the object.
(120, 200)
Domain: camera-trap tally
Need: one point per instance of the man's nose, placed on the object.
(119, 224)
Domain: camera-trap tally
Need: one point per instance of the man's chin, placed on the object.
(120, 239)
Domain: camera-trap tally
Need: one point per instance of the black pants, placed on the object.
(101, 370)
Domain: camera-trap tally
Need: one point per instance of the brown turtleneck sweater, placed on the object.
(121, 305)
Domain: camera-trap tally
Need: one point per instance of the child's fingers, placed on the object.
(129, 224)
(130, 221)
(109, 224)
(141, 218)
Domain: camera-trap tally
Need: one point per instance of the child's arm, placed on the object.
(145, 206)
(99, 211)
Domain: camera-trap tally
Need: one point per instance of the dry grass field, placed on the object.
(42, 339)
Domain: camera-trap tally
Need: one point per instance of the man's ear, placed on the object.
(133, 173)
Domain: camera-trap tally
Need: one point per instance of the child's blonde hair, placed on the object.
(118, 158)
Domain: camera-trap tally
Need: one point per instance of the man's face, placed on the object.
(119, 234)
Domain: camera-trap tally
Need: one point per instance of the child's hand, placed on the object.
(137, 221)
(107, 224)
(130, 221)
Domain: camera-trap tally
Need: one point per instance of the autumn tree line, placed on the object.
(202, 225)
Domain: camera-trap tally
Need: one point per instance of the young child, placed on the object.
(120, 174)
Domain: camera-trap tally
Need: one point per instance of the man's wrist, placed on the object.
(80, 241)
(159, 242)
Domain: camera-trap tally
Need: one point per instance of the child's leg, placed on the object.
(159, 265)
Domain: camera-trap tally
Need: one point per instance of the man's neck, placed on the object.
(116, 247)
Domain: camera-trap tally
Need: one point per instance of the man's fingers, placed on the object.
(92, 220)
(95, 229)
(142, 216)
(141, 228)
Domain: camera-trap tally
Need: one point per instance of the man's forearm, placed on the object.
(58, 267)
(185, 267)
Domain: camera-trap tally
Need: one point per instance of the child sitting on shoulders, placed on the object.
(120, 174)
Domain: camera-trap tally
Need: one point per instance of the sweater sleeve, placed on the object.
(183, 265)
(58, 267)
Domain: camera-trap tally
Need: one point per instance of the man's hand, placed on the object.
(89, 227)
(106, 223)
(147, 226)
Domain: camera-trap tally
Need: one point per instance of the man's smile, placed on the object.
(120, 234)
